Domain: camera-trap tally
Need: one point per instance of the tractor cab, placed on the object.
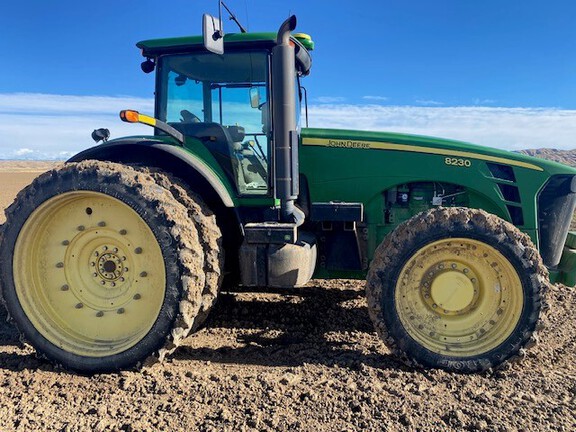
(225, 101)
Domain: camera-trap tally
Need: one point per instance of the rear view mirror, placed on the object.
(213, 35)
(254, 97)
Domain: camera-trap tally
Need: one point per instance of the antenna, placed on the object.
(232, 16)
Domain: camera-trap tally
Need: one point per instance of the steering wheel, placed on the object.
(188, 117)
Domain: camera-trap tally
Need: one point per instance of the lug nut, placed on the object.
(143, 274)
(81, 228)
(95, 274)
(138, 250)
(120, 311)
(137, 297)
(79, 306)
(466, 270)
(103, 283)
(453, 266)
(123, 232)
(64, 287)
(102, 224)
(60, 265)
(65, 243)
(99, 314)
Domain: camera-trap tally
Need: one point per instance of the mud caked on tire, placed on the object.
(209, 235)
(456, 288)
(101, 267)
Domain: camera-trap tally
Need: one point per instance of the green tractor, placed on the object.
(112, 259)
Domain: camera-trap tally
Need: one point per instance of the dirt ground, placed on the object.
(304, 360)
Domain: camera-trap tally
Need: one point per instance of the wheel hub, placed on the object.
(450, 288)
(109, 265)
(452, 291)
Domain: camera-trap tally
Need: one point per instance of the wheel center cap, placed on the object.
(452, 291)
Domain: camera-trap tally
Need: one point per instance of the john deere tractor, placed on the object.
(113, 258)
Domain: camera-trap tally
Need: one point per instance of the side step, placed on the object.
(270, 232)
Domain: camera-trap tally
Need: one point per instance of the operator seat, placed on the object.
(224, 142)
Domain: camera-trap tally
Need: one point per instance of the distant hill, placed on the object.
(567, 157)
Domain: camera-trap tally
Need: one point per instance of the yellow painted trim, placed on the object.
(151, 121)
(376, 145)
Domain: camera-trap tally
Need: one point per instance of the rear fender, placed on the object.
(175, 160)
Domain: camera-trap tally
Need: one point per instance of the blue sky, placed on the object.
(500, 73)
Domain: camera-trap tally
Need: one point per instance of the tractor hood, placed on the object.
(415, 144)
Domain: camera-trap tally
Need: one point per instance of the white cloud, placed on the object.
(329, 99)
(479, 101)
(42, 126)
(428, 102)
(375, 98)
(505, 128)
(38, 126)
(47, 104)
(23, 152)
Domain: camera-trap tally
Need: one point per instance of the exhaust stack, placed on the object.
(284, 115)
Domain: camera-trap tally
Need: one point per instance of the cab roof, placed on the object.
(232, 41)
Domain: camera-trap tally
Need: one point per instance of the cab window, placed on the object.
(223, 101)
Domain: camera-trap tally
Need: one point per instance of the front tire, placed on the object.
(457, 289)
(100, 267)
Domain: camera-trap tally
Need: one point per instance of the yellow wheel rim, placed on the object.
(89, 273)
(459, 297)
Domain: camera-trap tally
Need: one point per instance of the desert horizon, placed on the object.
(15, 175)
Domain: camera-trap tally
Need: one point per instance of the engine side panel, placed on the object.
(398, 176)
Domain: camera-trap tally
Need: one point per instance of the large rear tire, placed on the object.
(100, 267)
(209, 235)
(457, 289)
